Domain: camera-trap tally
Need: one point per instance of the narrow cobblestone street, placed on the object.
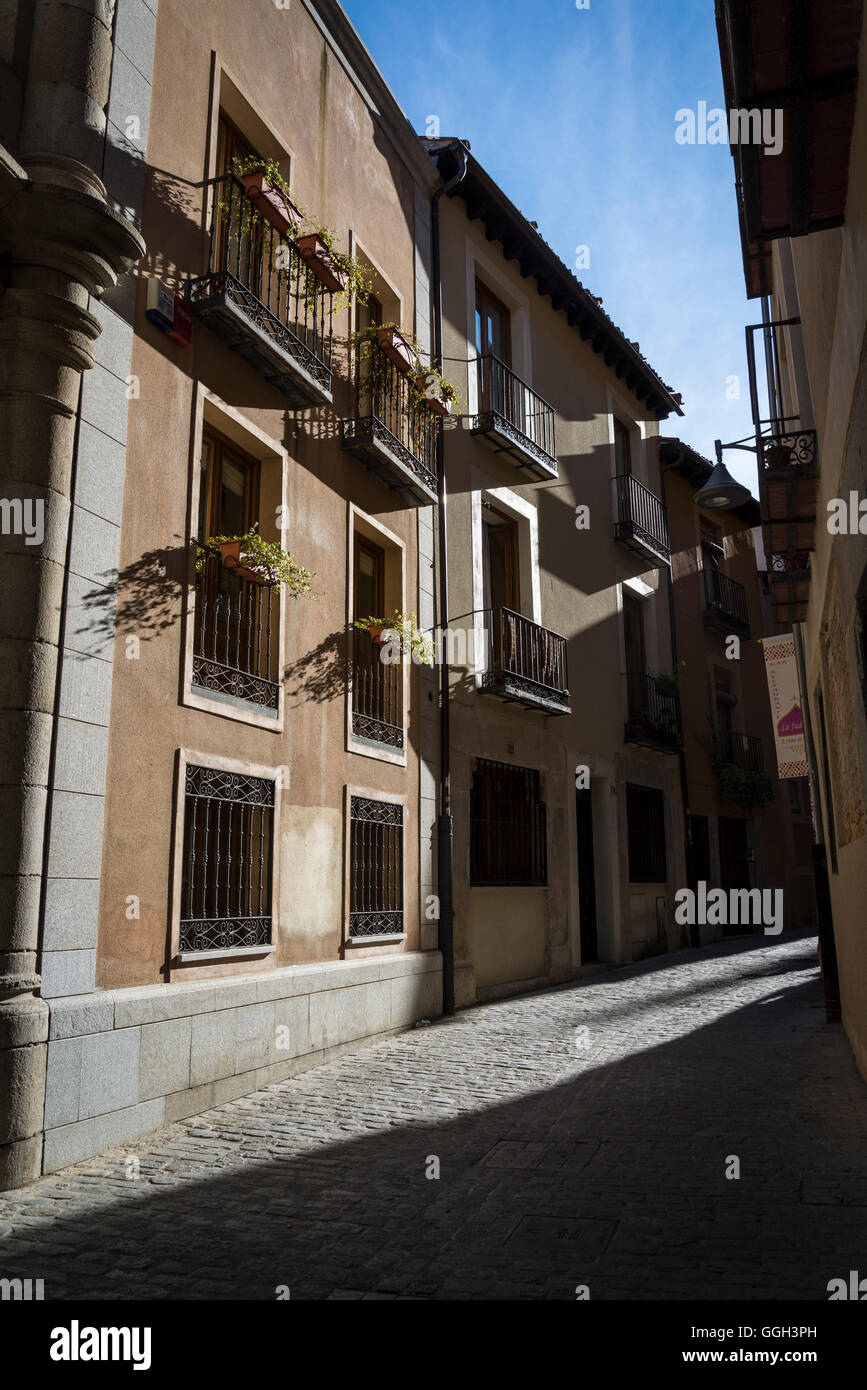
(582, 1136)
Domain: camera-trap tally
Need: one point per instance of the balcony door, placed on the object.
(238, 238)
(622, 450)
(494, 349)
(370, 402)
(501, 578)
(636, 656)
(502, 590)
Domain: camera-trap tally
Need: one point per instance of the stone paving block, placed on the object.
(555, 1169)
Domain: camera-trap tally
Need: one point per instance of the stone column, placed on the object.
(63, 243)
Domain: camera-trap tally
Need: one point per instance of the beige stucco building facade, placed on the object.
(233, 853)
(804, 231)
(557, 557)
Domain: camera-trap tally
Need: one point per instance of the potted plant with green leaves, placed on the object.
(263, 562)
(402, 631)
(335, 269)
(269, 192)
(439, 395)
(397, 346)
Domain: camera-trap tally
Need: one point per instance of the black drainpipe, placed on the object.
(444, 820)
(692, 932)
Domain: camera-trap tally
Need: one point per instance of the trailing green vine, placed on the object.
(424, 380)
(243, 215)
(402, 628)
(277, 566)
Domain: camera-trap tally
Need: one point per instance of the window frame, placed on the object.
(640, 819)
(489, 779)
(486, 296)
(209, 964)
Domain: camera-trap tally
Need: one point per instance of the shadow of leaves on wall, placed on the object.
(321, 674)
(149, 594)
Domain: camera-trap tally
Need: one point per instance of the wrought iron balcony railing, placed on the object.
(525, 662)
(514, 419)
(260, 296)
(652, 711)
(641, 522)
(788, 488)
(235, 634)
(725, 603)
(393, 432)
(744, 750)
(377, 698)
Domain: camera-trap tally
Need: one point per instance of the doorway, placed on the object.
(586, 876)
(734, 866)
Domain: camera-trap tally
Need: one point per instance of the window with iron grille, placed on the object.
(376, 867)
(507, 827)
(228, 858)
(645, 822)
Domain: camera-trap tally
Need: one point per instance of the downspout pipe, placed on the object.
(693, 932)
(444, 820)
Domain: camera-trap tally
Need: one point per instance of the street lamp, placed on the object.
(721, 489)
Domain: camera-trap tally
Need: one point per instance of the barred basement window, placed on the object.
(507, 827)
(376, 868)
(228, 856)
(645, 820)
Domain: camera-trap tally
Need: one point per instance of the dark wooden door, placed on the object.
(734, 869)
(586, 876)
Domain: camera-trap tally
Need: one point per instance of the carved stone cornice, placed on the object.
(55, 215)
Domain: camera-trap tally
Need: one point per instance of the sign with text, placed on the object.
(781, 669)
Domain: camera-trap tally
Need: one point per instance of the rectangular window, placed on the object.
(633, 635)
(376, 868)
(493, 330)
(645, 820)
(237, 616)
(622, 449)
(377, 685)
(508, 845)
(228, 860)
(500, 560)
(228, 488)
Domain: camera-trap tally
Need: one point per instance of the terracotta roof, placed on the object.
(522, 242)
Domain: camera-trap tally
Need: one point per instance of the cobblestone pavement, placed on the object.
(582, 1136)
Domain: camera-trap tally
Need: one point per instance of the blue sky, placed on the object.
(572, 112)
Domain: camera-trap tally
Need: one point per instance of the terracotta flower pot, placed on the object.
(230, 552)
(271, 201)
(440, 404)
(317, 256)
(777, 456)
(396, 348)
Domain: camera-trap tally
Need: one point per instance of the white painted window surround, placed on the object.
(526, 515)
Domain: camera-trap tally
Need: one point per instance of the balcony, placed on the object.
(652, 712)
(377, 706)
(525, 663)
(742, 750)
(261, 298)
(788, 485)
(393, 433)
(512, 419)
(235, 636)
(640, 521)
(725, 604)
